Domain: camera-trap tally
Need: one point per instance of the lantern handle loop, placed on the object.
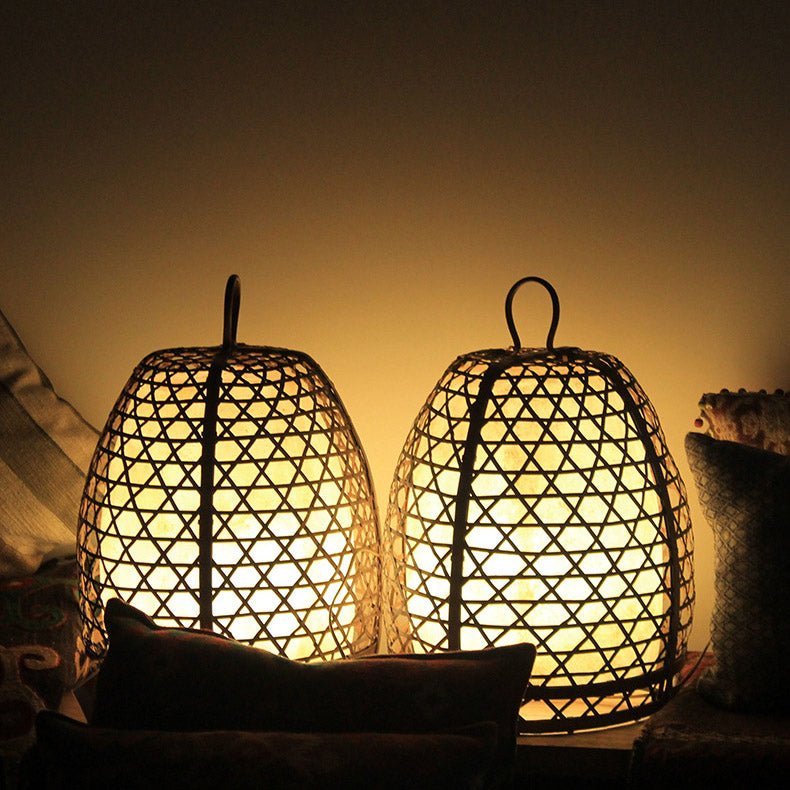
(231, 317)
(555, 306)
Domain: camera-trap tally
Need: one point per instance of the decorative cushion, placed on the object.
(45, 451)
(39, 658)
(745, 494)
(758, 419)
(70, 754)
(178, 679)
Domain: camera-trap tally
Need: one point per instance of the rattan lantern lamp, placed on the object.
(535, 500)
(229, 491)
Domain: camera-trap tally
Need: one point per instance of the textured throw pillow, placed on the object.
(45, 451)
(758, 419)
(70, 754)
(177, 679)
(745, 494)
(39, 657)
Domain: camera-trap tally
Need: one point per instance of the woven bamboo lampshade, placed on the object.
(535, 500)
(229, 492)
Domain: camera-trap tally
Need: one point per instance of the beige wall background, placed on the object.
(379, 174)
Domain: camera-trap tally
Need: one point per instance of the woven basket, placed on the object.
(535, 500)
(229, 492)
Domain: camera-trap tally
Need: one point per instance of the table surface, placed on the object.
(617, 738)
(587, 760)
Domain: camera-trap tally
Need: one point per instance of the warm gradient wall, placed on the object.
(379, 174)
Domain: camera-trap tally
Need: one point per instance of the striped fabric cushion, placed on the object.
(45, 450)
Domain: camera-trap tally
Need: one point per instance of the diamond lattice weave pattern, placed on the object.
(545, 478)
(294, 533)
(745, 494)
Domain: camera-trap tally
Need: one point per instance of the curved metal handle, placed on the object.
(555, 306)
(231, 317)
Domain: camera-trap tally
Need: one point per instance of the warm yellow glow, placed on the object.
(565, 536)
(531, 494)
(235, 576)
(294, 540)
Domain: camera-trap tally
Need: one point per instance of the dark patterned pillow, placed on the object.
(174, 679)
(745, 494)
(40, 658)
(70, 754)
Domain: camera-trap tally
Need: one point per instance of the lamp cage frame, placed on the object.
(535, 499)
(229, 492)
